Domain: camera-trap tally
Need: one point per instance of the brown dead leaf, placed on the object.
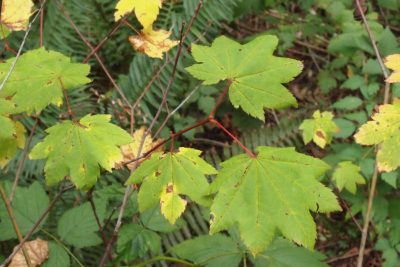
(38, 251)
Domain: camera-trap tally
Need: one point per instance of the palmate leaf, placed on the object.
(38, 79)
(320, 128)
(347, 175)
(383, 130)
(273, 191)
(165, 177)
(256, 74)
(78, 149)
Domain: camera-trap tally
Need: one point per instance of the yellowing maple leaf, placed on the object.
(146, 11)
(153, 42)
(130, 151)
(393, 63)
(15, 14)
(383, 130)
(320, 129)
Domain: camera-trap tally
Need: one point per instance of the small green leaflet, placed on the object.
(78, 226)
(274, 191)
(39, 78)
(78, 149)
(28, 204)
(282, 253)
(347, 175)
(383, 130)
(165, 177)
(12, 134)
(320, 129)
(210, 251)
(256, 74)
(135, 241)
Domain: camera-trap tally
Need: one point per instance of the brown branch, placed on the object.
(71, 22)
(374, 179)
(104, 40)
(21, 162)
(36, 224)
(14, 223)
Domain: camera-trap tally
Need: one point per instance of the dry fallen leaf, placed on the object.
(38, 251)
(129, 151)
(153, 42)
(15, 14)
(393, 63)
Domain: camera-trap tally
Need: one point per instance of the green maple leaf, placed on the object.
(320, 129)
(273, 191)
(347, 175)
(165, 177)
(79, 149)
(39, 78)
(12, 134)
(256, 74)
(383, 130)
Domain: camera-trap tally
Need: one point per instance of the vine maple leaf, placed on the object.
(393, 63)
(39, 77)
(165, 177)
(15, 14)
(347, 175)
(273, 191)
(383, 130)
(145, 11)
(320, 129)
(79, 149)
(153, 42)
(257, 75)
(12, 134)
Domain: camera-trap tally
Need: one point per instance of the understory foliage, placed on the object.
(200, 133)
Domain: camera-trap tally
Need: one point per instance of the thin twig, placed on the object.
(128, 190)
(22, 160)
(99, 60)
(14, 223)
(374, 179)
(36, 224)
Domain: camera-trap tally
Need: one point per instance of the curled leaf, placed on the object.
(38, 251)
(153, 42)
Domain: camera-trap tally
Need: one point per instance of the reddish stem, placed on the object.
(102, 42)
(214, 121)
(220, 99)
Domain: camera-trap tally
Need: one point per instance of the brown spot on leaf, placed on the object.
(170, 189)
(320, 134)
